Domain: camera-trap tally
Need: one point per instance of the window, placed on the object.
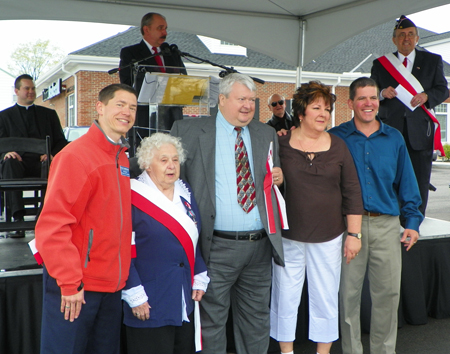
(441, 115)
(70, 104)
(226, 43)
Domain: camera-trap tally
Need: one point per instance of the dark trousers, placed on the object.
(95, 331)
(422, 161)
(162, 340)
(14, 169)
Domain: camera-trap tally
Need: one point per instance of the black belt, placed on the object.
(369, 213)
(241, 235)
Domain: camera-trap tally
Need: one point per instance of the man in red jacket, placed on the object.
(84, 233)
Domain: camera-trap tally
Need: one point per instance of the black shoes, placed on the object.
(17, 233)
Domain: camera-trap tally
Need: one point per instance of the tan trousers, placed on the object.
(381, 256)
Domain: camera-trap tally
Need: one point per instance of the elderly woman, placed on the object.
(321, 191)
(168, 273)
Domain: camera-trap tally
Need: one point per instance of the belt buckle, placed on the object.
(253, 237)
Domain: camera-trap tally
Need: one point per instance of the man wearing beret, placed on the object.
(423, 71)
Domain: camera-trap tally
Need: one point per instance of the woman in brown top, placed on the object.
(321, 191)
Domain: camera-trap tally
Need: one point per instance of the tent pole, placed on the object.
(301, 55)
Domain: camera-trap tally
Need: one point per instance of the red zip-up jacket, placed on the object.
(84, 231)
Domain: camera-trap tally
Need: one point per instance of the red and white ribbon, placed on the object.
(35, 251)
(133, 245)
(268, 186)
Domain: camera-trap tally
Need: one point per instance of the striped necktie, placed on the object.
(246, 194)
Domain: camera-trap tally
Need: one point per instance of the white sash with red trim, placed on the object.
(152, 202)
(268, 186)
(398, 71)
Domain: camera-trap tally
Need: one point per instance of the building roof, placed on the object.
(110, 47)
(355, 54)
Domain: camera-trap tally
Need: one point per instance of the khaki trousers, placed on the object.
(381, 256)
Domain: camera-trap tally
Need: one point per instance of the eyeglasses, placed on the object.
(409, 34)
(280, 102)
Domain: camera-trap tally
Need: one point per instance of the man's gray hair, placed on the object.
(147, 20)
(228, 81)
(146, 151)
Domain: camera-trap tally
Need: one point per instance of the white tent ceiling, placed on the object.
(272, 27)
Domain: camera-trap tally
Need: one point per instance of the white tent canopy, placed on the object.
(272, 27)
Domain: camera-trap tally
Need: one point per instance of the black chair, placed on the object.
(38, 146)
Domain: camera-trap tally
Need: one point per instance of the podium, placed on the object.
(163, 97)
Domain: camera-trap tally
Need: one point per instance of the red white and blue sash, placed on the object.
(398, 71)
(268, 186)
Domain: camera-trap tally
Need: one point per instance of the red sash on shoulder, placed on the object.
(169, 222)
(391, 69)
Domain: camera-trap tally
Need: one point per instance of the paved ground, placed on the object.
(439, 201)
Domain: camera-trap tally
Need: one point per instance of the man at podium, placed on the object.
(154, 33)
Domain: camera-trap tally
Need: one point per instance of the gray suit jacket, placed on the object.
(199, 140)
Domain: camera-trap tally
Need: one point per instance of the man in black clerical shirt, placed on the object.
(26, 120)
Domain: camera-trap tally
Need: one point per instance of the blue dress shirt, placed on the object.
(229, 215)
(387, 179)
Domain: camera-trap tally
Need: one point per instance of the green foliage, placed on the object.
(34, 58)
(447, 151)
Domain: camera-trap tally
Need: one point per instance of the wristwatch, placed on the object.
(358, 235)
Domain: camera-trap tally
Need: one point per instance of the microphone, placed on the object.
(165, 49)
(174, 49)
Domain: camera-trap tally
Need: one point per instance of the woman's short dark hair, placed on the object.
(308, 93)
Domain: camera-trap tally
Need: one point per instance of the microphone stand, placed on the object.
(222, 74)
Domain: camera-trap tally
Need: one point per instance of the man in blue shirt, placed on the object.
(235, 239)
(389, 189)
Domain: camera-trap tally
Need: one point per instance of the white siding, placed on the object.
(7, 95)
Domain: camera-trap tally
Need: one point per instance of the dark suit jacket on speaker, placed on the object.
(138, 52)
(199, 140)
(428, 70)
(12, 125)
(167, 115)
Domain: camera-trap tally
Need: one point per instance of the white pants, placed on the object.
(323, 266)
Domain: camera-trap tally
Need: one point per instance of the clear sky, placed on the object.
(71, 36)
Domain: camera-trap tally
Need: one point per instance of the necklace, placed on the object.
(309, 155)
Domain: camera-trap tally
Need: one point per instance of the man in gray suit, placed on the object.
(235, 239)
